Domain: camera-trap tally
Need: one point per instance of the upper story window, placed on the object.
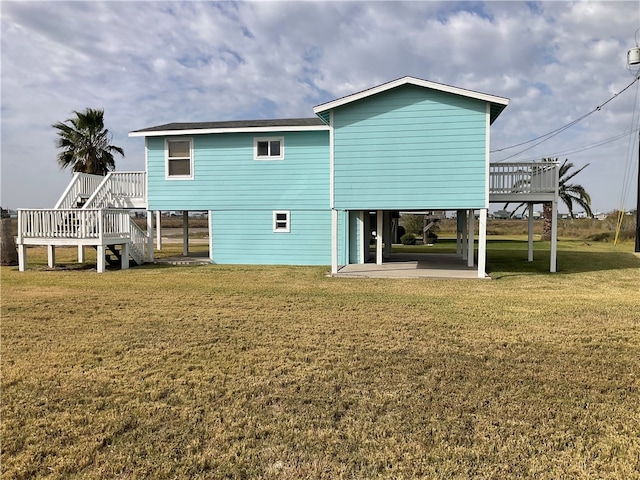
(179, 152)
(268, 148)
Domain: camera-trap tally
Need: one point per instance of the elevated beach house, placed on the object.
(307, 191)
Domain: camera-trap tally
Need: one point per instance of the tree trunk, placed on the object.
(547, 213)
(8, 250)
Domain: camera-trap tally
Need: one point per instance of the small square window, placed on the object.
(281, 221)
(268, 148)
(179, 158)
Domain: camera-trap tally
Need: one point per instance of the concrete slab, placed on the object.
(423, 265)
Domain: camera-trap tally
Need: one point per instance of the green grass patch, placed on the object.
(281, 372)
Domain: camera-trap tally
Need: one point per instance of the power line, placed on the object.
(553, 133)
(584, 148)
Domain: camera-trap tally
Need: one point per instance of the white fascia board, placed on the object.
(410, 81)
(204, 131)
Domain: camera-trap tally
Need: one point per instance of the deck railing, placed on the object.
(119, 189)
(523, 177)
(73, 223)
(82, 185)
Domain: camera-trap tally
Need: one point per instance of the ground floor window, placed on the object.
(281, 221)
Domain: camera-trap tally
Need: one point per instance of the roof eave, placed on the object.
(205, 131)
(410, 81)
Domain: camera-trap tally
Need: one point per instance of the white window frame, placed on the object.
(268, 157)
(287, 227)
(167, 159)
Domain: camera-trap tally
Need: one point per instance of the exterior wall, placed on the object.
(247, 237)
(226, 177)
(354, 238)
(241, 194)
(410, 148)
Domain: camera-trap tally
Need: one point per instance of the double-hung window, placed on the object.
(179, 152)
(282, 221)
(268, 148)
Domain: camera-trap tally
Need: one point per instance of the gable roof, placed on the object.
(237, 126)
(497, 103)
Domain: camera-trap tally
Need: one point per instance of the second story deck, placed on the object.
(523, 182)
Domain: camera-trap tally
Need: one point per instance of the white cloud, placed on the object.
(148, 63)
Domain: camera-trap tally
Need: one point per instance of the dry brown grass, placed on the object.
(281, 372)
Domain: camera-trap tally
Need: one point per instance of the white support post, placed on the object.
(210, 218)
(158, 229)
(465, 234)
(22, 257)
(80, 253)
(51, 256)
(459, 230)
(124, 260)
(530, 233)
(471, 220)
(364, 239)
(101, 253)
(482, 244)
(379, 230)
(185, 233)
(554, 235)
(149, 236)
(334, 241)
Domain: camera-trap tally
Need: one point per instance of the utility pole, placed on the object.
(637, 249)
(633, 62)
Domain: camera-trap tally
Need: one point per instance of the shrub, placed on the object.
(408, 239)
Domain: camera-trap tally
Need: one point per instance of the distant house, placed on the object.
(300, 191)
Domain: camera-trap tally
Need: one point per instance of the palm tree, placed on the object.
(86, 143)
(569, 193)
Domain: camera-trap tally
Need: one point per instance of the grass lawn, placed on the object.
(281, 372)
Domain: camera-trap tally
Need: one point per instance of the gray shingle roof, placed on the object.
(282, 122)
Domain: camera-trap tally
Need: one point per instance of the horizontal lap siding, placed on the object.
(227, 177)
(410, 148)
(247, 237)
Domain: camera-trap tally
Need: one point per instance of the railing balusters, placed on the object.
(523, 177)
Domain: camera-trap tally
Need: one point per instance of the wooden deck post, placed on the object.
(124, 260)
(471, 220)
(530, 233)
(464, 234)
(379, 230)
(554, 235)
(150, 236)
(80, 253)
(158, 230)
(51, 256)
(101, 253)
(22, 257)
(482, 244)
(185, 233)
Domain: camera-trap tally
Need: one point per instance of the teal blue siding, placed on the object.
(410, 148)
(247, 237)
(354, 237)
(226, 177)
(343, 237)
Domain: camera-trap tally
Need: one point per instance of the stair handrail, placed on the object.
(116, 187)
(82, 184)
(138, 242)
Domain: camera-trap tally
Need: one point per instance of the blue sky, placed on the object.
(148, 63)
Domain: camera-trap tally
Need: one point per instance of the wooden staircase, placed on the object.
(93, 211)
